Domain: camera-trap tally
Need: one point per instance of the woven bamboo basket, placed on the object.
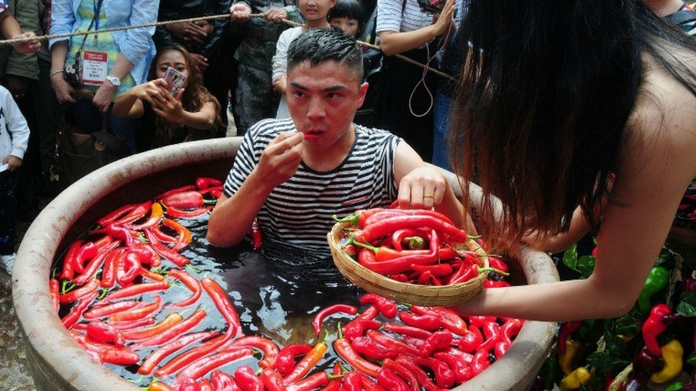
(427, 295)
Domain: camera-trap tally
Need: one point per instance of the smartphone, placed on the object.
(431, 6)
(175, 80)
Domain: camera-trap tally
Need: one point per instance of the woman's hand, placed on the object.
(169, 107)
(27, 47)
(64, 91)
(104, 95)
(275, 14)
(240, 13)
(422, 188)
(443, 20)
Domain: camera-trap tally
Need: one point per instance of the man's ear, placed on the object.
(362, 91)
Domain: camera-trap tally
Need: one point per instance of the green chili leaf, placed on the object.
(625, 325)
(585, 265)
(570, 257)
(687, 304)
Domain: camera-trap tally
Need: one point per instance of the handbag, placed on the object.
(72, 73)
(77, 154)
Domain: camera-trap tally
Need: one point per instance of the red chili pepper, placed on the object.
(438, 270)
(191, 283)
(165, 251)
(653, 327)
(102, 332)
(187, 214)
(151, 275)
(401, 264)
(86, 252)
(307, 362)
(565, 331)
(410, 331)
(189, 385)
(500, 348)
(79, 293)
(160, 354)
(267, 346)
(214, 361)
(389, 213)
(346, 352)
(132, 324)
(136, 290)
(223, 304)
(462, 372)
(352, 381)
(158, 386)
(176, 330)
(441, 339)
(106, 310)
(402, 372)
(427, 322)
(425, 381)
(205, 385)
(131, 269)
(192, 355)
(256, 237)
(496, 284)
(480, 362)
(389, 380)
(359, 217)
(311, 382)
(386, 307)
(444, 376)
(140, 334)
(328, 311)
(470, 341)
(120, 233)
(223, 381)
(206, 182)
(108, 277)
(335, 384)
(183, 234)
(286, 358)
(510, 329)
(185, 199)
(54, 289)
(390, 342)
(68, 271)
(415, 238)
(401, 277)
(367, 347)
(498, 263)
(491, 331)
(108, 353)
(161, 235)
(388, 225)
(115, 215)
(427, 278)
(156, 215)
(463, 274)
(272, 380)
(356, 327)
(247, 379)
(449, 319)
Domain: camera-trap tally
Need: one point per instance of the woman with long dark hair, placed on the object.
(191, 113)
(576, 115)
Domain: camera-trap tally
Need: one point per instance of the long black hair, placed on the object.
(545, 96)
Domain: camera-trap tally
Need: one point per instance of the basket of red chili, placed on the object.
(413, 256)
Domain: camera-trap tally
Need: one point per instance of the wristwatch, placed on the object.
(113, 80)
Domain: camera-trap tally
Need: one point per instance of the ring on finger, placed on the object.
(428, 195)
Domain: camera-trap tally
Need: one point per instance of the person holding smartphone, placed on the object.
(172, 106)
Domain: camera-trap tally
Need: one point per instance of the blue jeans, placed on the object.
(89, 119)
(440, 116)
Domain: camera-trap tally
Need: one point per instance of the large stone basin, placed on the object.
(58, 363)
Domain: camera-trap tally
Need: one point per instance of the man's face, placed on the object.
(323, 100)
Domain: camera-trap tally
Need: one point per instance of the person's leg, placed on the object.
(124, 128)
(8, 212)
(440, 119)
(46, 116)
(254, 98)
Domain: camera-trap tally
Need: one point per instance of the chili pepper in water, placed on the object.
(191, 283)
(206, 182)
(389, 380)
(86, 252)
(165, 251)
(131, 324)
(272, 380)
(156, 215)
(256, 236)
(102, 332)
(54, 289)
(336, 383)
(371, 349)
(480, 362)
(500, 348)
(411, 331)
(565, 331)
(449, 319)
(223, 381)
(330, 310)
(403, 373)
(312, 382)
(158, 386)
(356, 327)
(79, 293)
(162, 236)
(192, 355)
(491, 331)
(268, 347)
(461, 370)
(115, 215)
(247, 379)
(131, 269)
(470, 341)
(427, 322)
(653, 327)
(172, 332)
(423, 379)
(439, 340)
(307, 362)
(120, 233)
(185, 200)
(481, 321)
(223, 304)
(656, 281)
(286, 357)
(183, 234)
(135, 290)
(510, 329)
(214, 361)
(352, 381)
(349, 355)
(166, 323)
(672, 355)
(390, 342)
(145, 273)
(385, 306)
(205, 385)
(160, 354)
(68, 271)
(108, 277)
(575, 379)
(444, 376)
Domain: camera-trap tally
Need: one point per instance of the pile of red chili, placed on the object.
(109, 285)
(413, 246)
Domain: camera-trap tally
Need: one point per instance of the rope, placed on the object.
(209, 17)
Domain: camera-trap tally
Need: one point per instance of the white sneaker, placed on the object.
(7, 262)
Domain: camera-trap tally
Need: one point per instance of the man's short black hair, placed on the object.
(326, 44)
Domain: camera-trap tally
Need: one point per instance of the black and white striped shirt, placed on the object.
(299, 211)
(390, 17)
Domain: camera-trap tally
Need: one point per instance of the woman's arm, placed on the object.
(172, 110)
(393, 42)
(280, 61)
(64, 91)
(104, 95)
